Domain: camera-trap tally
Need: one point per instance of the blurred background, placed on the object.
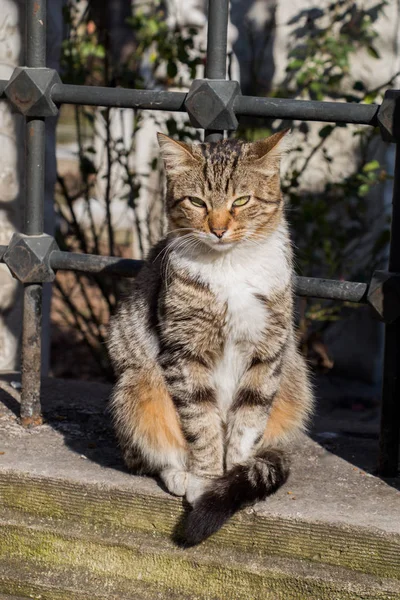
(104, 184)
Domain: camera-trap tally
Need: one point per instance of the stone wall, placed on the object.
(11, 150)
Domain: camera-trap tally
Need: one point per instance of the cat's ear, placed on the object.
(177, 156)
(267, 153)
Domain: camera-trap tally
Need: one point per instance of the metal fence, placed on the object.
(213, 104)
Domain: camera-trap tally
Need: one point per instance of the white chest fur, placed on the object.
(236, 277)
(245, 320)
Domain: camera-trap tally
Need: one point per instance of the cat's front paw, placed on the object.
(195, 487)
(175, 481)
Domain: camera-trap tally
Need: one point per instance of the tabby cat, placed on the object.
(211, 387)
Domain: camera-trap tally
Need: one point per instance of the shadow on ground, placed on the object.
(78, 410)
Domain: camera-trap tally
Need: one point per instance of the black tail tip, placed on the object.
(198, 523)
(192, 528)
(230, 493)
(203, 521)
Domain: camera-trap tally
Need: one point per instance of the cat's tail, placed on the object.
(243, 485)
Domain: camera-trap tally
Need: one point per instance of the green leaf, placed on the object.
(372, 52)
(369, 98)
(294, 65)
(152, 26)
(371, 166)
(315, 86)
(363, 190)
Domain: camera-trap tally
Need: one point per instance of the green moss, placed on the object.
(16, 590)
(46, 498)
(119, 511)
(32, 499)
(162, 570)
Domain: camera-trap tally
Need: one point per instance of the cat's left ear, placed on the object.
(178, 156)
(267, 153)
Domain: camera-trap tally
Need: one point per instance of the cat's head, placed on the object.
(223, 193)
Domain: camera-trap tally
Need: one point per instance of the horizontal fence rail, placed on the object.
(349, 291)
(307, 110)
(248, 106)
(212, 104)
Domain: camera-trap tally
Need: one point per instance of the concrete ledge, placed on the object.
(153, 566)
(74, 524)
(121, 514)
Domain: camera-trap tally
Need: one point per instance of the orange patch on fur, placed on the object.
(156, 417)
(287, 418)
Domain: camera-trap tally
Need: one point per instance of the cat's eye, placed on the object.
(197, 202)
(241, 201)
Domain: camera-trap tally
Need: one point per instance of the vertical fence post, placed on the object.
(33, 222)
(217, 40)
(390, 411)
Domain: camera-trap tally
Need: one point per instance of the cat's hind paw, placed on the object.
(175, 481)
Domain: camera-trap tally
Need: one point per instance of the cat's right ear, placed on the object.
(177, 156)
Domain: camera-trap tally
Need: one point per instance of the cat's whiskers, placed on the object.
(162, 251)
(168, 249)
(188, 243)
(181, 229)
(170, 243)
(176, 244)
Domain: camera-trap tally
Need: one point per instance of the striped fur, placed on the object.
(211, 387)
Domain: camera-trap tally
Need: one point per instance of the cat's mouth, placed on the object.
(219, 245)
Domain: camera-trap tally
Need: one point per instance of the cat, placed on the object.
(211, 387)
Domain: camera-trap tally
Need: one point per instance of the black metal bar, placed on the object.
(349, 291)
(330, 289)
(251, 106)
(217, 40)
(118, 97)
(36, 33)
(34, 176)
(217, 36)
(389, 440)
(211, 135)
(307, 110)
(33, 223)
(89, 263)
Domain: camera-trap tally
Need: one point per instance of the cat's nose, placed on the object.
(218, 232)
